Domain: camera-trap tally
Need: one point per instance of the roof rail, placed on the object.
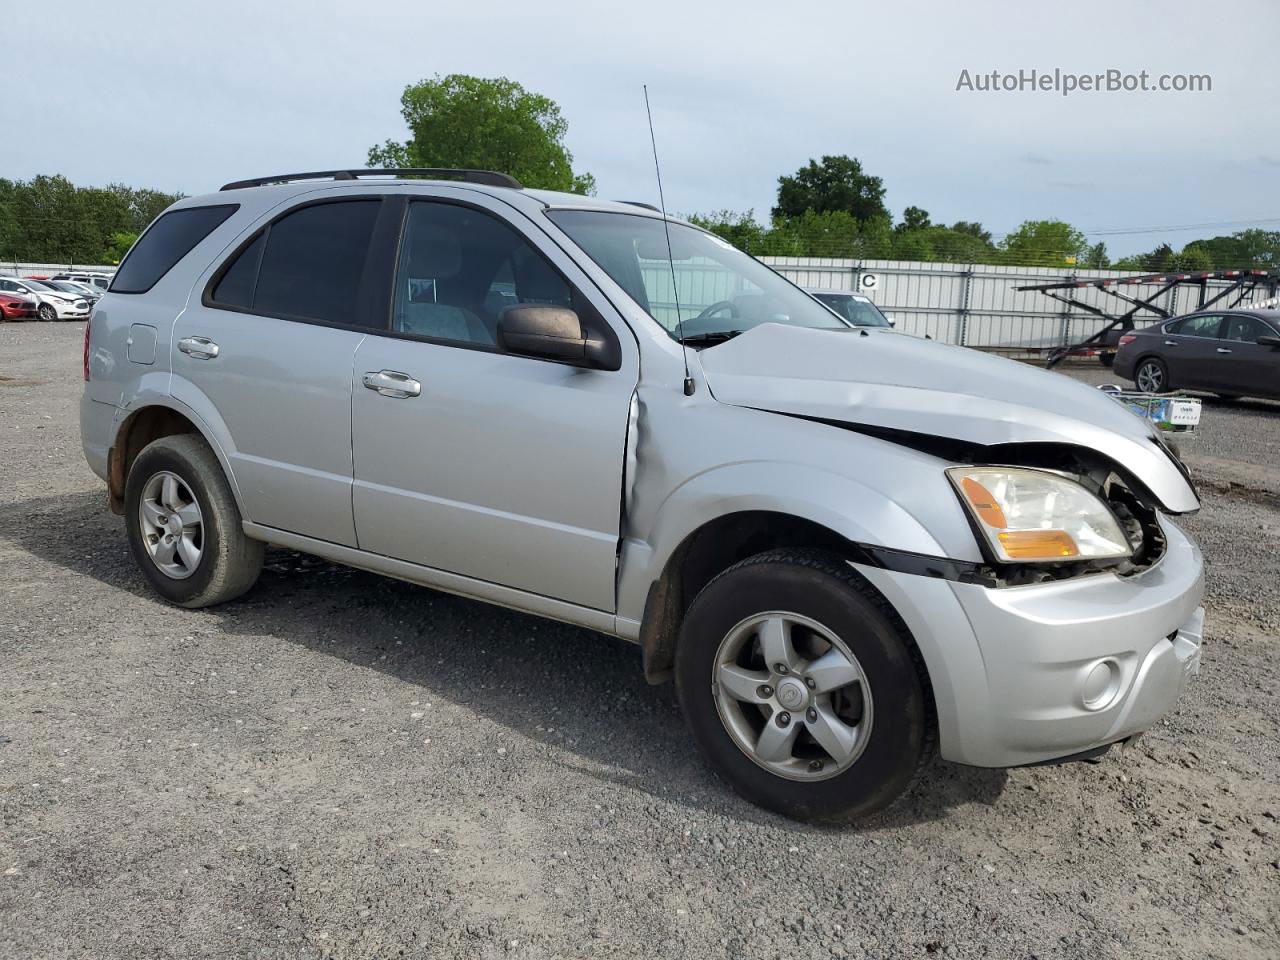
(488, 177)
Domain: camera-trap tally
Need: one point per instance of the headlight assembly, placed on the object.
(1034, 516)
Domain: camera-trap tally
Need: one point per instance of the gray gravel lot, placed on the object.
(342, 765)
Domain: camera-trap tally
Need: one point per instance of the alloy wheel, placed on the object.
(172, 525)
(47, 312)
(792, 696)
(1150, 377)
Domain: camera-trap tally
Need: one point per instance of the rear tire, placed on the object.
(844, 638)
(184, 527)
(1152, 376)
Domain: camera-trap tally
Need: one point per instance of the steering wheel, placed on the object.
(716, 308)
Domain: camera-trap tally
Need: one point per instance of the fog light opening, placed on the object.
(1100, 685)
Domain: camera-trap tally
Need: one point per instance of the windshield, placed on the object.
(39, 285)
(62, 285)
(720, 289)
(857, 310)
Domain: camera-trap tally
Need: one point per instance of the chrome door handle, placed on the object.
(201, 348)
(392, 383)
(1171, 343)
(1223, 350)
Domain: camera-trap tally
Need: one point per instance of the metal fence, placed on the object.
(971, 304)
(15, 269)
(976, 305)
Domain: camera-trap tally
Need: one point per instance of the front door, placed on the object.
(475, 461)
(1248, 367)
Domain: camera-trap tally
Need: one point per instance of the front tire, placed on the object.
(1152, 376)
(184, 526)
(47, 312)
(803, 688)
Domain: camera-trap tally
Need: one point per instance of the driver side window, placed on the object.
(1245, 329)
(461, 268)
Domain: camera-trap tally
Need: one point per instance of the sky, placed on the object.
(185, 96)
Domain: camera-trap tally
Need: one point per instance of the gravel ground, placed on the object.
(342, 765)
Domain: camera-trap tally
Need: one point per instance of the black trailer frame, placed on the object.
(1242, 282)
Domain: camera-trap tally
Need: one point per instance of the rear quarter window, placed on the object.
(166, 242)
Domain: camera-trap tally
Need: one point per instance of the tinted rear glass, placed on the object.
(166, 242)
(235, 289)
(313, 261)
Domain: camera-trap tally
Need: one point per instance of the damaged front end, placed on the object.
(968, 408)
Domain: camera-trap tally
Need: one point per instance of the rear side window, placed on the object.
(1202, 326)
(307, 265)
(166, 242)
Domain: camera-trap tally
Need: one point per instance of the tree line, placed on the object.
(833, 208)
(830, 207)
(48, 219)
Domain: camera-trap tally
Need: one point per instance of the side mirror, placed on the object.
(542, 331)
(1272, 342)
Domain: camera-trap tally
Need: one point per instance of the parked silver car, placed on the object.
(850, 548)
(99, 281)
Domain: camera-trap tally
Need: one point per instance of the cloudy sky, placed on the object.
(150, 95)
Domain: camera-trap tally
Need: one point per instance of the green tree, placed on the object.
(739, 229)
(1044, 243)
(119, 245)
(1096, 256)
(972, 229)
(913, 218)
(465, 121)
(50, 219)
(837, 183)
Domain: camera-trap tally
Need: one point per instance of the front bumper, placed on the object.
(67, 311)
(1033, 673)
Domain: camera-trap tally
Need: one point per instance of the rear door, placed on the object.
(1190, 348)
(267, 349)
(1246, 366)
(471, 460)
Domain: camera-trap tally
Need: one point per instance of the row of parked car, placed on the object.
(64, 296)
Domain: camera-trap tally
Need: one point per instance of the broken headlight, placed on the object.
(1035, 516)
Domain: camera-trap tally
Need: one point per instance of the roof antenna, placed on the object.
(675, 289)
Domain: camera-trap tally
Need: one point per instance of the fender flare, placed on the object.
(211, 432)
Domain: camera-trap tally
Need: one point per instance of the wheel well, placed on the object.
(148, 424)
(709, 550)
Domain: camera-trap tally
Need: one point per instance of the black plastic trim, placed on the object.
(922, 564)
(490, 178)
(1085, 756)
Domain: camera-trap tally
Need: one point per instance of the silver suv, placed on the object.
(850, 548)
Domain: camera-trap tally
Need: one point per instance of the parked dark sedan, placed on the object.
(1231, 353)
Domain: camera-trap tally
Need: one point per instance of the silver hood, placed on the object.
(885, 379)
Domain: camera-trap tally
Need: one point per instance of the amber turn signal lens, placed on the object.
(1038, 544)
(983, 503)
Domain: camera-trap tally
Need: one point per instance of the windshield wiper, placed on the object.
(716, 336)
